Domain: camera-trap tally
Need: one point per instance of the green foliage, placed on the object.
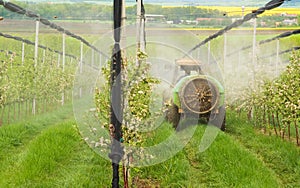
(22, 80)
(102, 98)
(84, 11)
(24, 86)
(178, 13)
(47, 151)
(140, 97)
(137, 90)
(276, 104)
(280, 157)
(3, 79)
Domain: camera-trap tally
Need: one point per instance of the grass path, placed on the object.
(48, 152)
(226, 163)
(282, 157)
(240, 157)
(14, 139)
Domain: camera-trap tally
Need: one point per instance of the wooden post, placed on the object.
(239, 60)
(143, 45)
(81, 66)
(93, 57)
(277, 57)
(58, 60)
(254, 60)
(63, 63)
(36, 51)
(138, 28)
(123, 25)
(36, 45)
(63, 51)
(225, 52)
(23, 53)
(100, 58)
(208, 52)
(81, 58)
(44, 56)
(254, 51)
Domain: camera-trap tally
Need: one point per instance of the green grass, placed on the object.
(47, 151)
(226, 163)
(282, 157)
(57, 157)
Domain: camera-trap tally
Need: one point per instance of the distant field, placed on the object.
(237, 11)
(98, 28)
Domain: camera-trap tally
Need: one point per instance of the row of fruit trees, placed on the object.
(21, 83)
(275, 104)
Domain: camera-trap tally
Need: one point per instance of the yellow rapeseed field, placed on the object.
(237, 11)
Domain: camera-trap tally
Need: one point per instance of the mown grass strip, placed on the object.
(15, 138)
(45, 155)
(225, 164)
(283, 157)
(57, 158)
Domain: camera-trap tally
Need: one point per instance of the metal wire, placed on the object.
(32, 43)
(282, 35)
(17, 9)
(270, 5)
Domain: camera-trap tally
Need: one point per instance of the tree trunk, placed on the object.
(2, 114)
(8, 114)
(264, 117)
(278, 123)
(15, 114)
(269, 123)
(274, 125)
(19, 110)
(283, 133)
(289, 130)
(297, 132)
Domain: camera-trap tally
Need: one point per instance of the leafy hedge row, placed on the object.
(276, 106)
(20, 82)
(137, 88)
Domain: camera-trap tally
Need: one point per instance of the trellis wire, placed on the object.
(281, 52)
(7, 51)
(270, 5)
(32, 43)
(280, 36)
(17, 9)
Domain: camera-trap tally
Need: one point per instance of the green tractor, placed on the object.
(196, 95)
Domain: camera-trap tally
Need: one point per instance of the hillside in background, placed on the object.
(222, 2)
(246, 3)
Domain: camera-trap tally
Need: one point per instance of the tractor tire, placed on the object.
(220, 119)
(173, 115)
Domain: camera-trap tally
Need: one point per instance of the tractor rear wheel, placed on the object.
(173, 115)
(220, 119)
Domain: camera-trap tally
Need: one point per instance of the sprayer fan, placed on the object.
(199, 96)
